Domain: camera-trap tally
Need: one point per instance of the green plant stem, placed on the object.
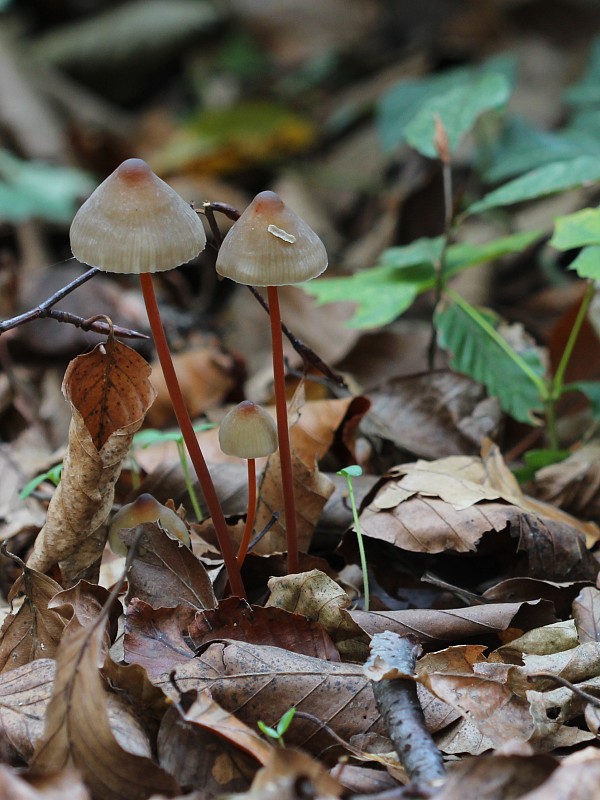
(188, 481)
(440, 264)
(251, 514)
(189, 435)
(501, 342)
(361, 544)
(559, 375)
(283, 434)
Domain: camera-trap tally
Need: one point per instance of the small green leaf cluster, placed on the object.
(279, 731)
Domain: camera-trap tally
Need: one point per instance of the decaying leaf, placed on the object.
(235, 619)
(316, 596)
(98, 751)
(24, 696)
(35, 630)
(261, 683)
(109, 393)
(67, 783)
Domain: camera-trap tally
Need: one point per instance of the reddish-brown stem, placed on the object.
(283, 434)
(189, 435)
(251, 515)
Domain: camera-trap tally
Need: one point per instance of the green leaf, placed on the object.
(577, 230)
(591, 389)
(459, 96)
(587, 263)
(587, 90)
(421, 251)
(549, 179)
(465, 255)
(267, 730)
(285, 721)
(536, 460)
(33, 189)
(52, 475)
(353, 471)
(458, 109)
(476, 352)
(150, 436)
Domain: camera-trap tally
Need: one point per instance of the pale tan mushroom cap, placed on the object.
(248, 431)
(135, 222)
(270, 245)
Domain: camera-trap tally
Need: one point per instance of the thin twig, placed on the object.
(45, 310)
(589, 698)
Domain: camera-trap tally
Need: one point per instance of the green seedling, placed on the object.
(52, 475)
(280, 730)
(354, 471)
(151, 436)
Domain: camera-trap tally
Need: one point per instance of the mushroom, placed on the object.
(145, 509)
(248, 431)
(136, 223)
(270, 245)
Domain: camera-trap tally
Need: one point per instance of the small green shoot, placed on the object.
(280, 730)
(52, 475)
(354, 471)
(151, 436)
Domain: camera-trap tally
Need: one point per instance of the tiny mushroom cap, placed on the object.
(134, 222)
(270, 245)
(248, 431)
(145, 509)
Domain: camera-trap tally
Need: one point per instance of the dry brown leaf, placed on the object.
(24, 696)
(165, 572)
(64, 784)
(35, 630)
(110, 393)
(235, 619)
(284, 771)
(154, 638)
(586, 613)
(433, 415)
(573, 484)
(98, 752)
(433, 626)
(577, 776)
(316, 596)
(206, 375)
(209, 748)
(261, 683)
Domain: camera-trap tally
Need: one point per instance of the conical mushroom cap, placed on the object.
(270, 245)
(248, 431)
(134, 222)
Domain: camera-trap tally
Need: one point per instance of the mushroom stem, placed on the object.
(251, 515)
(283, 434)
(189, 435)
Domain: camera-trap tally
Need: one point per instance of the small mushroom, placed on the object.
(136, 223)
(270, 245)
(248, 431)
(145, 509)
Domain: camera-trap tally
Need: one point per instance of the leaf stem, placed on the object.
(283, 434)
(189, 435)
(359, 538)
(188, 481)
(559, 375)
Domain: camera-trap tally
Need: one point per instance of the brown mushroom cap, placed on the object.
(248, 431)
(134, 222)
(270, 245)
(145, 509)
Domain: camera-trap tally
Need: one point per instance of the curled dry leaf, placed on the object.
(165, 572)
(110, 393)
(573, 484)
(35, 630)
(433, 626)
(64, 784)
(24, 696)
(586, 613)
(316, 596)
(98, 752)
(235, 619)
(261, 683)
(449, 504)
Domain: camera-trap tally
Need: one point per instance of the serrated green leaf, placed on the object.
(577, 230)
(465, 255)
(421, 251)
(591, 389)
(587, 263)
(475, 353)
(549, 179)
(458, 109)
